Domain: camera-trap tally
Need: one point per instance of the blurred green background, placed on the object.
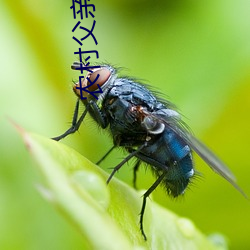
(196, 53)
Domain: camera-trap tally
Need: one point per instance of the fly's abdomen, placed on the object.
(180, 166)
(168, 154)
(178, 176)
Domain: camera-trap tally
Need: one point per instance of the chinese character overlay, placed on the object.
(83, 9)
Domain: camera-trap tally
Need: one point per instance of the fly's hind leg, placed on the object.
(145, 196)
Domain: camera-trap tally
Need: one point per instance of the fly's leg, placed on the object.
(105, 155)
(145, 196)
(125, 160)
(75, 124)
(97, 114)
(92, 108)
(136, 167)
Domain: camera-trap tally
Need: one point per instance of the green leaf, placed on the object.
(107, 215)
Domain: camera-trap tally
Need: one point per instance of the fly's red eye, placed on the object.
(91, 80)
(104, 75)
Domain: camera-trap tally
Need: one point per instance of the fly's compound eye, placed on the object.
(98, 77)
(153, 126)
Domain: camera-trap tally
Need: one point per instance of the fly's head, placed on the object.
(96, 82)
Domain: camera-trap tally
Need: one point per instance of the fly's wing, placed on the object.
(175, 124)
(212, 160)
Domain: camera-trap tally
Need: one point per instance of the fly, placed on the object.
(149, 128)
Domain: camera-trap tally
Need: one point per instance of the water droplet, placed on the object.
(94, 185)
(187, 227)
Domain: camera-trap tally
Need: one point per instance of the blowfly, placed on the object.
(148, 127)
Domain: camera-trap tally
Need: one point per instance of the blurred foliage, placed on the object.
(102, 213)
(197, 53)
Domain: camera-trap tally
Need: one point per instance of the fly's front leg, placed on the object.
(93, 109)
(97, 114)
(75, 124)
